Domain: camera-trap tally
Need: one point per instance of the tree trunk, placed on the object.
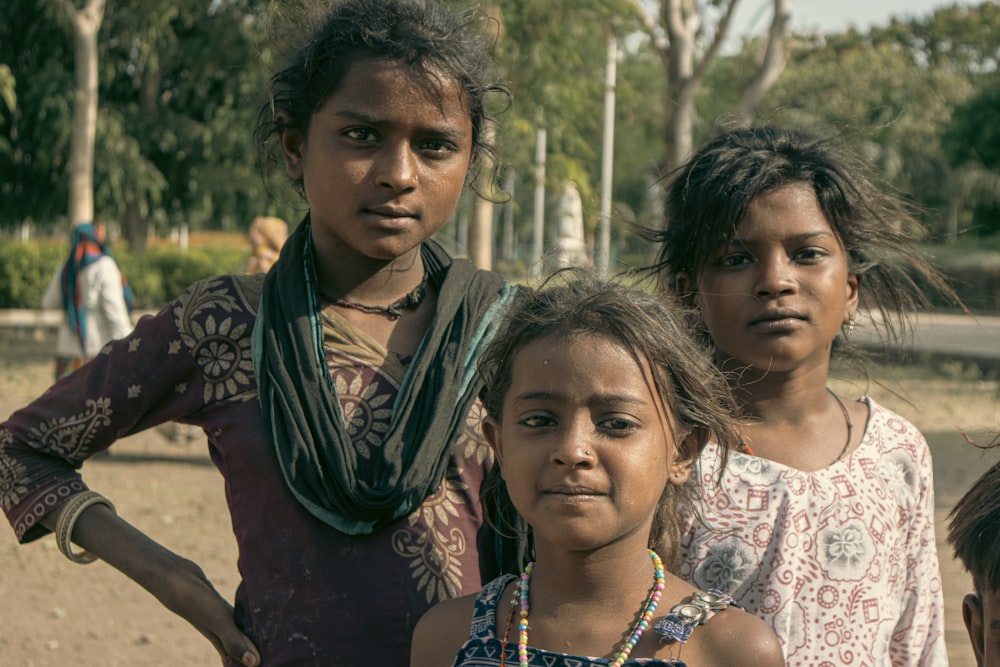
(86, 23)
(481, 230)
(132, 228)
(676, 35)
(771, 65)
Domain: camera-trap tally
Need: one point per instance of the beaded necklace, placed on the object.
(645, 617)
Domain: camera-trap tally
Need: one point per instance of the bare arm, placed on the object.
(739, 638)
(179, 584)
(441, 632)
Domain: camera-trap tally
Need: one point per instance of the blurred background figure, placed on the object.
(267, 235)
(91, 290)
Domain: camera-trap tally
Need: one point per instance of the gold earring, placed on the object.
(849, 328)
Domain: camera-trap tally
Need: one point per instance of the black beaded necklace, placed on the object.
(408, 301)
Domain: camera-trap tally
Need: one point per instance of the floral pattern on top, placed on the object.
(300, 578)
(841, 562)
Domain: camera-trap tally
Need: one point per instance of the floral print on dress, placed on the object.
(841, 561)
(845, 551)
(434, 547)
(367, 408)
(67, 437)
(12, 482)
(432, 544)
(725, 567)
(220, 348)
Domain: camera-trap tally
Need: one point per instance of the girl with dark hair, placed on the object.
(338, 392)
(823, 522)
(598, 403)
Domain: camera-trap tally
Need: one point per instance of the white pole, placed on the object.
(536, 259)
(607, 159)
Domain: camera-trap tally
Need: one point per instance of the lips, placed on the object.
(391, 212)
(573, 490)
(777, 317)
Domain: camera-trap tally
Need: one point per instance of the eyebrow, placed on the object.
(799, 238)
(442, 130)
(615, 399)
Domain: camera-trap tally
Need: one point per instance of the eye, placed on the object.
(735, 259)
(359, 134)
(537, 421)
(810, 255)
(438, 147)
(618, 426)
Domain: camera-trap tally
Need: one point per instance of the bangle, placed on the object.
(71, 511)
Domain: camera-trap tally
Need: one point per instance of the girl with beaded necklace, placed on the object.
(823, 523)
(598, 403)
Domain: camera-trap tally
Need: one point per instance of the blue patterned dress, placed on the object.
(484, 650)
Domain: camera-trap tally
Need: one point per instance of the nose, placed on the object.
(396, 169)
(572, 448)
(775, 277)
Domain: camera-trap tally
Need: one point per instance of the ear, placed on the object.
(491, 431)
(686, 453)
(972, 614)
(853, 296)
(293, 150)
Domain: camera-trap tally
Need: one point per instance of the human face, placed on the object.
(584, 443)
(775, 296)
(982, 620)
(383, 162)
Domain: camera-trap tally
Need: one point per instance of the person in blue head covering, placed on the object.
(91, 290)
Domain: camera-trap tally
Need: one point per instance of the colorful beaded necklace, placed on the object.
(640, 627)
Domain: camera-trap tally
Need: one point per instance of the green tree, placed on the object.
(552, 53)
(971, 143)
(36, 49)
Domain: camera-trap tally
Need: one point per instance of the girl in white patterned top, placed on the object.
(823, 524)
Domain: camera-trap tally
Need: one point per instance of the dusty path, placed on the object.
(53, 612)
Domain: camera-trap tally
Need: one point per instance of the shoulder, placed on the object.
(440, 633)
(882, 418)
(104, 267)
(236, 297)
(736, 637)
(892, 433)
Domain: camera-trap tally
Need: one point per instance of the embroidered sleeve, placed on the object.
(172, 365)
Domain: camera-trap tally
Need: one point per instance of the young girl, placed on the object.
(824, 524)
(338, 393)
(597, 404)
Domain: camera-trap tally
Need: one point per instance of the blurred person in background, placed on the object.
(94, 295)
(267, 235)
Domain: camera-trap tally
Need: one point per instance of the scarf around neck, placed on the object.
(302, 413)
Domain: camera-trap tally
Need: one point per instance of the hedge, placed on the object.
(156, 275)
(161, 273)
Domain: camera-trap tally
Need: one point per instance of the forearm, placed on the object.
(179, 584)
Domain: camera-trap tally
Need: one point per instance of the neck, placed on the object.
(778, 397)
(599, 578)
(369, 281)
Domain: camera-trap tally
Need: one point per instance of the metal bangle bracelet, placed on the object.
(67, 521)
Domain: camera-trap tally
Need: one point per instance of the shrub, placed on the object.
(155, 275)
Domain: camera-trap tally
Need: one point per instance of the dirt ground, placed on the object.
(53, 612)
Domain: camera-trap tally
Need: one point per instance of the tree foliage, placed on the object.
(180, 84)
